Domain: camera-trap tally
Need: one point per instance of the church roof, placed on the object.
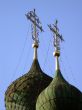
(22, 93)
(59, 95)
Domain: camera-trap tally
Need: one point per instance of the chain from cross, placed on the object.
(57, 36)
(36, 25)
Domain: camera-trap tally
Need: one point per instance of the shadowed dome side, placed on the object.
(22, 93)
(59, 95)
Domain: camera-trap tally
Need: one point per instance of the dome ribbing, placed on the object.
(59, 95)
(22, 93)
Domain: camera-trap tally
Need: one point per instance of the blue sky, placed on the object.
(16, 53)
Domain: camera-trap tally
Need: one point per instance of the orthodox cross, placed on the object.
(57, 37)
(36, 27)
(36, 24)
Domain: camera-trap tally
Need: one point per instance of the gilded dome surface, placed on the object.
(59, 95)
(22, 93)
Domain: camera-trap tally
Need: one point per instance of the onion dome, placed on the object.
(59, 95)
(22, 93)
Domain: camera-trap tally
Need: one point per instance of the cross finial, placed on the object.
(57, 37)
(36, 27)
